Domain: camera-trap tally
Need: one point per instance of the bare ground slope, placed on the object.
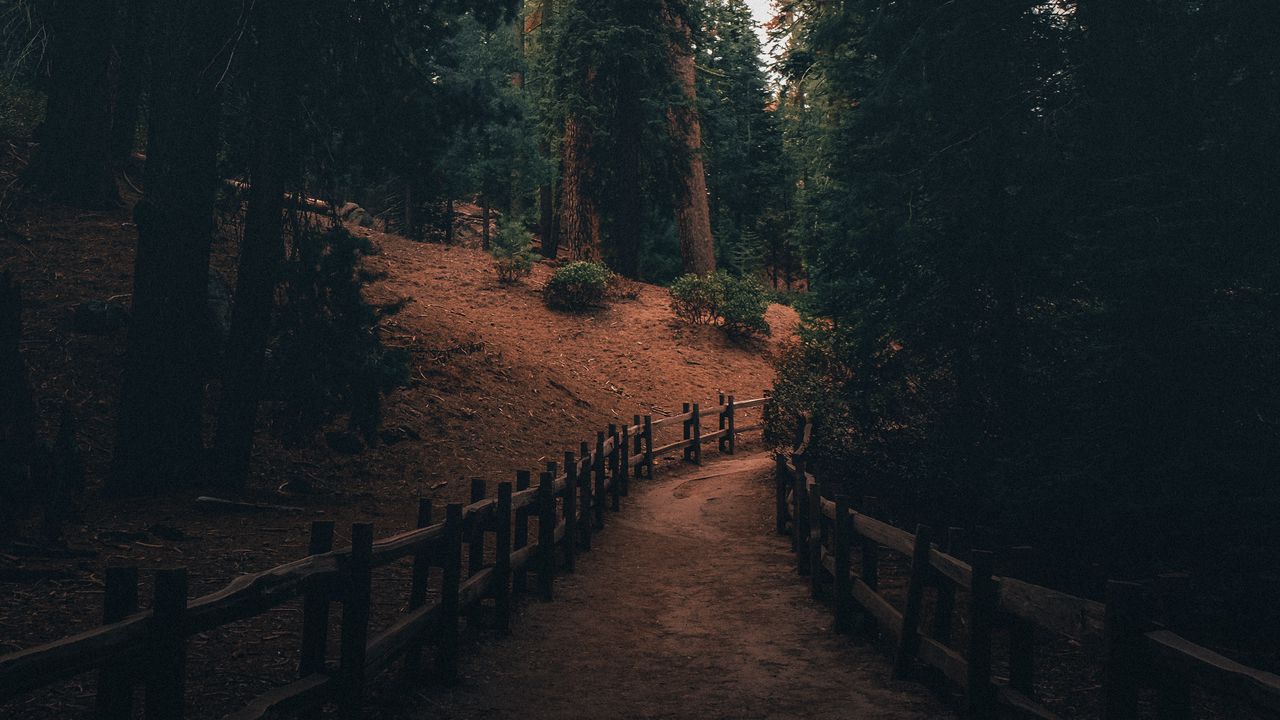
(499, 383)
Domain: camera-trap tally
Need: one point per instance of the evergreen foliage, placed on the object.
(327, 359)
(1044, 285)
(735, 303)
(512, 251)
(578, 286)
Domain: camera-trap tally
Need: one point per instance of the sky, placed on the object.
(762, 12)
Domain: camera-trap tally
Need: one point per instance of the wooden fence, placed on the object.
(566, 506)
(826, 530)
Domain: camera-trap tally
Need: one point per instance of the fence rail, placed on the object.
(1136, 652)
(568, 503)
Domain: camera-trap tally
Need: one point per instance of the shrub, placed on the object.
(327, 360)
(737, 304)
(512, 256)
(695, 298)
(743, 305)
(577, 286)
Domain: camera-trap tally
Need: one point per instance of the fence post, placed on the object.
(731, 427)
(356, 601)
(421, 559)
(587, 501)
(520, 538)
(982, 610)
(696, 422)
(909, 638)
(598, 468)
(720, 416)
(946, 604)
(315, 610)
(637, 439)
(115, 681)
(547, 534)
(781, 481)
(502, 560)
(450, 586)
(648, 447)
(870, 550)
(475, 539)
(1123, 632)
(841, 586)
(570, 511)
(687, 431)
(166, 681)
(815, 518)
(615, 453)
(625, 461)
(612, 436)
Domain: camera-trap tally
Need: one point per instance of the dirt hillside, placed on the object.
(499, 383)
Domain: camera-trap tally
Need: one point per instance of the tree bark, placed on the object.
(131, 61)
(579, 216)
(547, 230)
(159, 441)
(262, 249)
(74, 160)
(693, 214)
(628, 215)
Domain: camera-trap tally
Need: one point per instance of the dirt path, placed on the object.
(686, 608)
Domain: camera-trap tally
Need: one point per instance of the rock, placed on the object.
(100, 317)
(353, 214)
(347, 443)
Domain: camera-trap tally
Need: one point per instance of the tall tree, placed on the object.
(693, 214)
(579, 212)
(159, 439)
(130, 43)
(74, 162)
(273, 99)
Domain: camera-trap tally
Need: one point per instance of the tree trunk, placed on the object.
(579, 217)
(547, 231)
(74, 160)
(627, 234)
(262, 249)
(131, 61)
(693, 215)
(159, 436)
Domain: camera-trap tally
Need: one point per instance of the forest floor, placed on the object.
(688, 606)
(499, 383)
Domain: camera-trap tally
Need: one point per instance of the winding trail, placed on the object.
(688, 607)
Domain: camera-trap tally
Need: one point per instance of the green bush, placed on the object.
(327, 360)
(695, 298)
(577, 286)
(737, 304)
(743, 305)
(511, 251)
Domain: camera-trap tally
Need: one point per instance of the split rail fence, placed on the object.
(535, 530)
(1137, 654)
